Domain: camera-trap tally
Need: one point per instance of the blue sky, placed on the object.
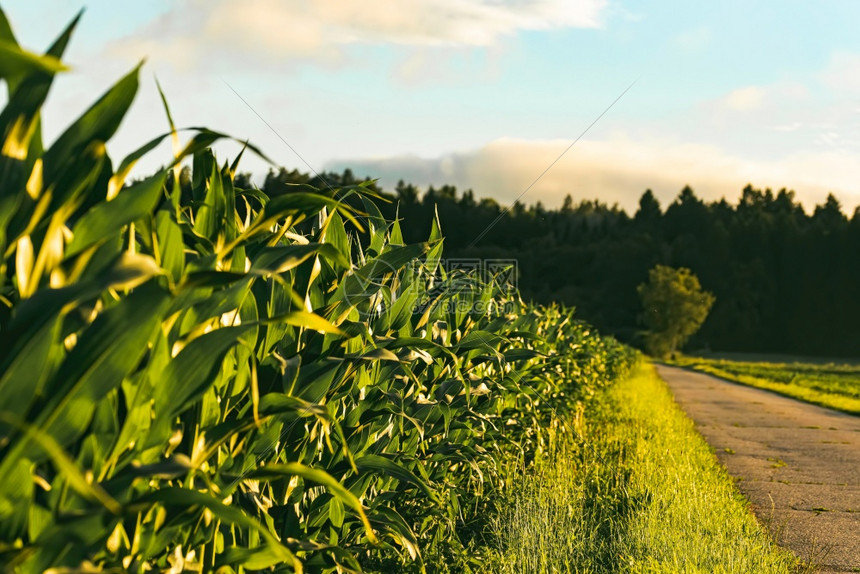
(486, 93)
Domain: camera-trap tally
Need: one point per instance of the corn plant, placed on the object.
(199, 377)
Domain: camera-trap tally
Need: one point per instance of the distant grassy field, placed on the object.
(836, 386)
(642, 493)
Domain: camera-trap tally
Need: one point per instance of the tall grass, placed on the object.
(637, 491)
(199, 377)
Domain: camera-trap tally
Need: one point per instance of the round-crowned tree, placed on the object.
(674, 307)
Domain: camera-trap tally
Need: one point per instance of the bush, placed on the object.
(674, 307)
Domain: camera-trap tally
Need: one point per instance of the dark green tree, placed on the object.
(649, 208)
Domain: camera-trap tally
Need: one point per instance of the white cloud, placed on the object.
(745, 99)
(765, 121)
(773, 104)
(842, 73)
(786, 128)
(201, 31)
(617, 171)
(436, 66)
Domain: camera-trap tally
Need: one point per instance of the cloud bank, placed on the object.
(616, 171)
(199, 32)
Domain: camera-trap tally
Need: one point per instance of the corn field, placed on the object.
(197, 377)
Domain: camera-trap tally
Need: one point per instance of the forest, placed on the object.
(785, 279)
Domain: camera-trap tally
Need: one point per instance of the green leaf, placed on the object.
(125, 167)
(363, 283)
(6, 34)
(273, 471)
(19, 121)
(396, 235)
(31, 338)
(336, 235)
(108, 217)
(478, 339)
(193, 370)
(377, 226)
(258, 558)
(436, 229)
(297, 203)
(185, 498)
(283, 258)
(15, 61)
(171, 248)
(67, 467)
(205, 138)
(381, 464)
(522, 354)
(335, 512)
(379, 354)
(389, 519)
(166, 108)
(277, 403)
(306, 320)
(106, 352)
(211, 216)
(97, 125)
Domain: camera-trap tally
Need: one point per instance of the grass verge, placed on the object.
(641, 493)
(829, 385)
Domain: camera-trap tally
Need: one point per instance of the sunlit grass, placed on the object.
(828, 385)
(641, 493)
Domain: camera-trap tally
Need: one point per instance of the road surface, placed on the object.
(798, 464)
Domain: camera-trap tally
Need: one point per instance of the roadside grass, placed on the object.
(642, 492)
(828, 385)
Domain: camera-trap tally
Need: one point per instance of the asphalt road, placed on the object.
(798, 464)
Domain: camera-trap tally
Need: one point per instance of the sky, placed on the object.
(487, 94)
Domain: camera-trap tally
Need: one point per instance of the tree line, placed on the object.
(785, 281)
